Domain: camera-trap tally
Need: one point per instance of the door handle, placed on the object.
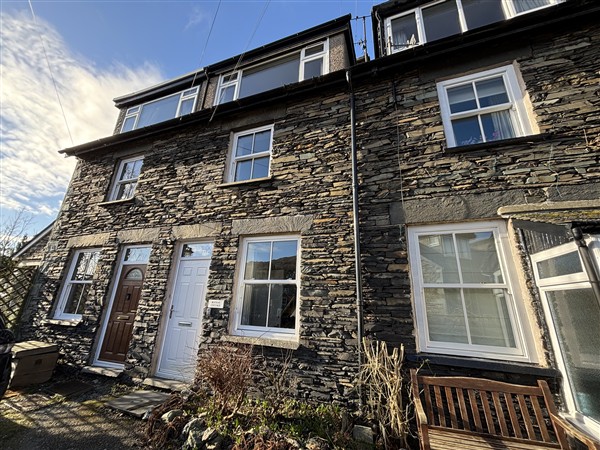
(171, 311)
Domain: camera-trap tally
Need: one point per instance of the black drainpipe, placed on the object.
(588, 262)
(357, 258)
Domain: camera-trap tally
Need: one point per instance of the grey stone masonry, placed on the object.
(182, 194)
(408, 176)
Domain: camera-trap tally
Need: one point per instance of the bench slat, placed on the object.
(428, 407)
(526, 417)
(488, 412)
(514, 420)
(440, 406)
(451, 409)
(463, 409)
(475, 410)
(500, 413)
(539, 416)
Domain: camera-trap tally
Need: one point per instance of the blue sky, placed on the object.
(99, 50)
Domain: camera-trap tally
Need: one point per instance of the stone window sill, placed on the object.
(245, 182)
(498, 145)
(62, 322)
(265, 342)
(117, 202)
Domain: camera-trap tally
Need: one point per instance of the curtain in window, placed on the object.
(404, 32)
(502, 127)
(526, 5)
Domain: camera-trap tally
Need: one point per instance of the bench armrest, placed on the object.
(562, 424)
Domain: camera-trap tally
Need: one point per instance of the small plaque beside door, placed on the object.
(219, 304)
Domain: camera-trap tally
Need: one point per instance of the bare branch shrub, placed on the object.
(227, 371)
(274, 380)
(12, 232)
(383, 382)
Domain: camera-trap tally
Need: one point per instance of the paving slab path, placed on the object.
(67, 418)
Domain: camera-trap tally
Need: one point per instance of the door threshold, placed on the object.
(104, 371)
(168, 385)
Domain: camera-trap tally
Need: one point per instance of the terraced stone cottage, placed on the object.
(443, 195)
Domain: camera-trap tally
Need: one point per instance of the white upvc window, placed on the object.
(251, 154)
(160, 110)
(572, 312)
(266, 303)
(443, 18)
(126, 178)
(77, 284)
(464, 297)
(483, 107)
(311, 61)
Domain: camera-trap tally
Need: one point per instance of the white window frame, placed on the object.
(515, 106)
(576, 280)
(507, 7)
(264, 332)
(234, 160)
(136, 111)
(516, 309)
(68, 283)
(222, 84)
(117, 182)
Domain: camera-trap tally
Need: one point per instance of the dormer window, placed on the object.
(440, 19)
(312, 61)
(156, 111)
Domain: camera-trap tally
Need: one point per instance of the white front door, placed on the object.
(184, 317)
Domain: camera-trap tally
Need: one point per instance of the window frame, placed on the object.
(303, 59)
(515, 106)
(117, 182)
(507, 8)
(136, 111)
(68, 283)
(576, 280)
(233, 159)
(524, 346)
(237, 329)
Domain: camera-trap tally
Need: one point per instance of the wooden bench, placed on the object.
(459, 413)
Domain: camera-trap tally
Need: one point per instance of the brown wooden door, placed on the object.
(120, 323)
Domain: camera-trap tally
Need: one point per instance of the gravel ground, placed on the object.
(35, 418)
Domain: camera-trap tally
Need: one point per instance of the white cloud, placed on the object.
(196, 17)
(32, 174)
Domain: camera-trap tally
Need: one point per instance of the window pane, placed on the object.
(78, 294)
(491, 92)
(313, 68)
(257, 261)
(404, 32)
(131, 169)
(86, 266)
(158, 111)
(227, 94)
(497, 125)
(134, 274)
(262, 141)
(445, 315)
(560, 265)
(141, 254)
(284, 71)
(283, 264)
(482, 12)
(489, 322)
(467, 131)
(197, 250)
(244, 145)
(461, 98)
(125, 191)
(256, 299)
(261, 168)
(438, 259)
(128, 124)
(441, 20)
(478, 258)
(186, 106)
(576, 315)
(526, 5)
(243, 170)
(282, 308)
(309, 51)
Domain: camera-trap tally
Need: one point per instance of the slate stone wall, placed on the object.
(182, 193)
(409, 177)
